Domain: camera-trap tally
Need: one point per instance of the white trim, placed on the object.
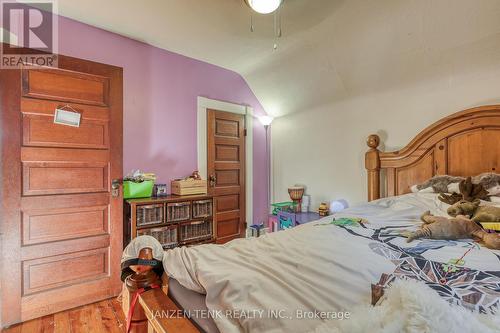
(272, 195)
(206, 103)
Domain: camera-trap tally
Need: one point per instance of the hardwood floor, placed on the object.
(102, 317)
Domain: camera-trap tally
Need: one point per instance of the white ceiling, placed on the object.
(330, 50)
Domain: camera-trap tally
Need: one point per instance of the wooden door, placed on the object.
(62, 229)
(226, 172)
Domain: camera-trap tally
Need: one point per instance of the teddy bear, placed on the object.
(474, 211)
(458, 227)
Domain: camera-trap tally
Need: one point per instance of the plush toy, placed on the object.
(438, 184)
(457, 188)
(489, 181)
(468, 192)
(459, 227)
(195, 175)
(474, 211)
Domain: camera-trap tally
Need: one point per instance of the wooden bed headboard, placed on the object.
(464, 144)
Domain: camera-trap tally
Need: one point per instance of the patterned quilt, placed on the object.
(478, 290)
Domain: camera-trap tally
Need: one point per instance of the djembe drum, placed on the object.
(296, 193)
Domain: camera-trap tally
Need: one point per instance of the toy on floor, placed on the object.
(459, 227)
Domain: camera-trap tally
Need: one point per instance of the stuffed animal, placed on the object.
(468, 192)
(459, 227)
(195, 175)
(489, 181)
(474, 211)
(457, 188)
(437, 184)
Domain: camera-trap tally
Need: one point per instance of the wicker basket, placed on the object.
(178, 211)
(167, 236)
(149, 214)
(192, 231)
(202, 208)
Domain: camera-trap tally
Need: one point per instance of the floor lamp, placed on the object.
(266, 121)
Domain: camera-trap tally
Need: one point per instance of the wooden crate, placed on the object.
(189, 187)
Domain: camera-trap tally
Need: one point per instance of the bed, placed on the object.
(328, 267)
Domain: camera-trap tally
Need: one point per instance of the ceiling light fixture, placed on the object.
(264, 6)
(268, 7)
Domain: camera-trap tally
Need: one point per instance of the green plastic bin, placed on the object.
(133, 190)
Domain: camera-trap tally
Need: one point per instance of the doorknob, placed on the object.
(115, 187)
(213, 180)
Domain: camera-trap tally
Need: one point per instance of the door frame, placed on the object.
(201, 131)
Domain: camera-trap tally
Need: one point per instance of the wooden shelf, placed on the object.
(164, 208)
(168, 198)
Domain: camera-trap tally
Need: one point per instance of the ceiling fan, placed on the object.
(267, 7)
(264, 6)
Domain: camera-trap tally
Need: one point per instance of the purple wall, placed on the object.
(160, 102)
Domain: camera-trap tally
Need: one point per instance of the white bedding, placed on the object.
(395, 313)
(316, 266)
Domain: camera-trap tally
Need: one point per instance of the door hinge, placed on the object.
(245, 132)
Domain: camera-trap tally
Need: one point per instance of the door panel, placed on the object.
(47, 107)
(227, 153)
(41, 274)
(228, 228)
(48, 225)
(58, 178)
(41, 131)
(61, 247)
(226, 166)
(29, 154)
(70, 86)
(228, 203)
(61, 225)
(227, 177)
(227, 127)
(63, 298)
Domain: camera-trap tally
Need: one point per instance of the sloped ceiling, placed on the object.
(330, 49)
